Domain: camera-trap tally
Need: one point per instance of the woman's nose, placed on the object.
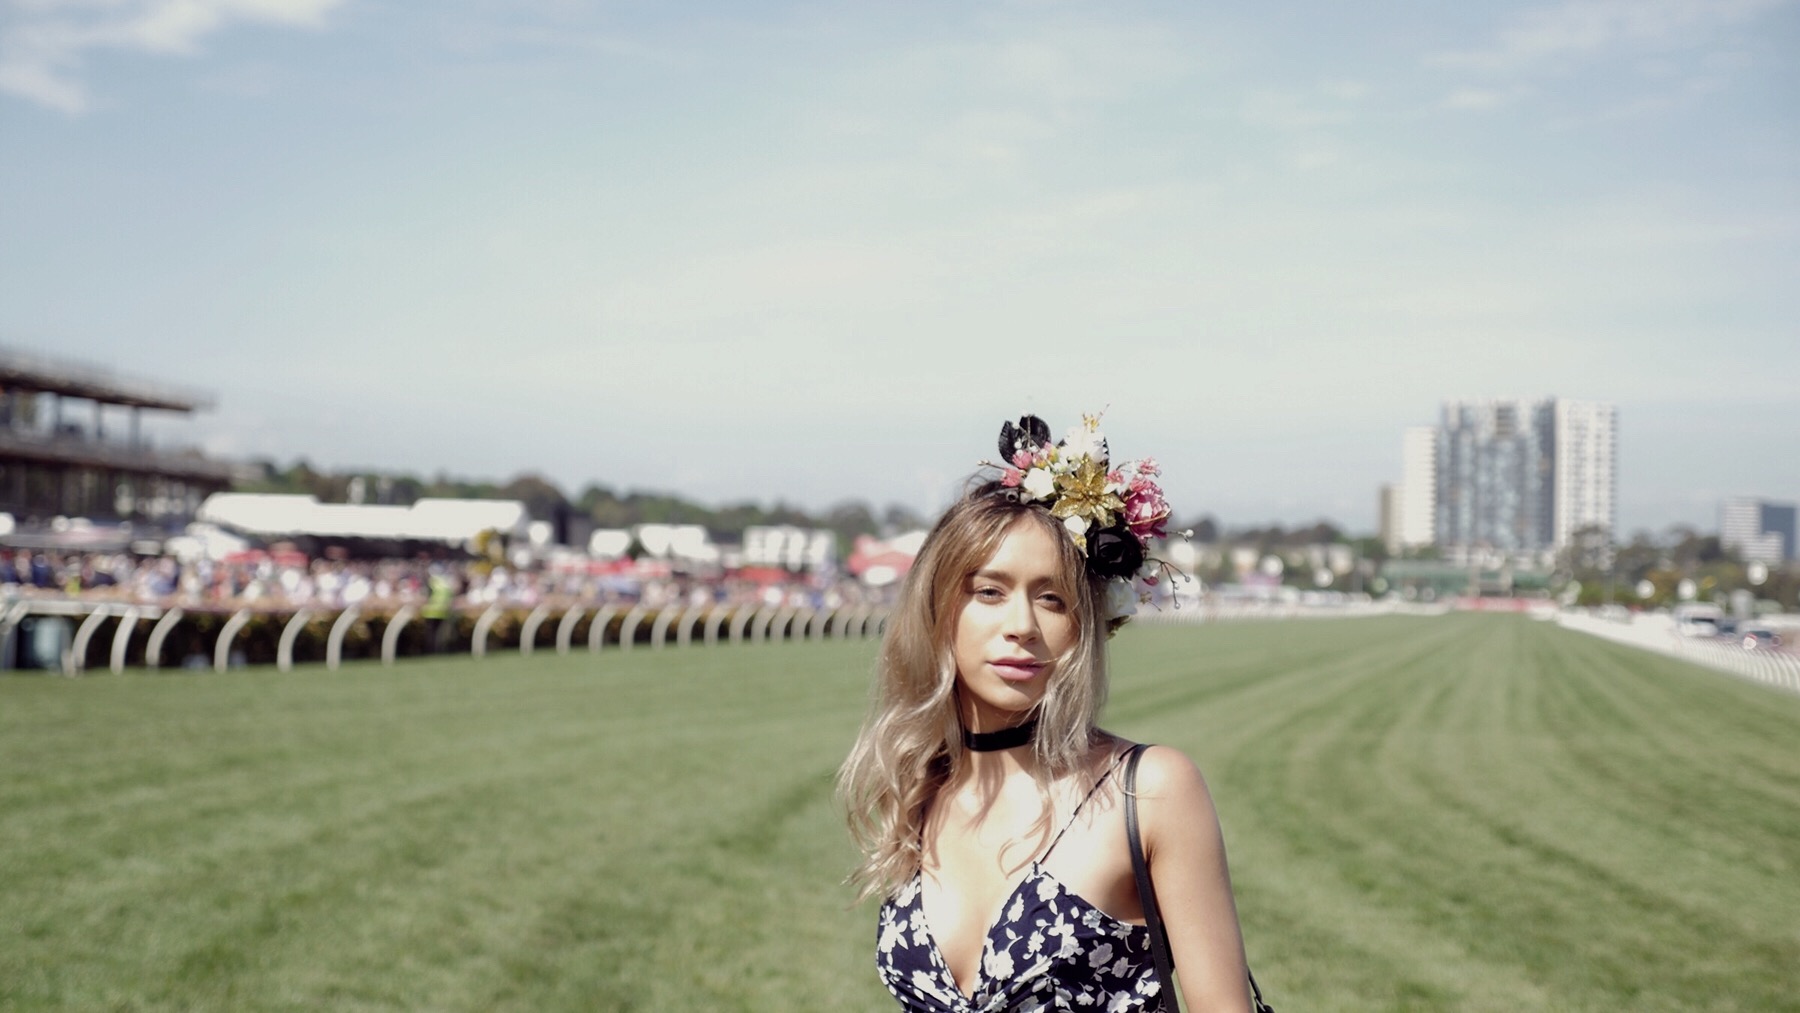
(1021, 620)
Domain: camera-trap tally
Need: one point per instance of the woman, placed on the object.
(988, 802)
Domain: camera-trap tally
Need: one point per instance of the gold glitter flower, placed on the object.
(1083, 493)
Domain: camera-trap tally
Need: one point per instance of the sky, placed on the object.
(818, 252)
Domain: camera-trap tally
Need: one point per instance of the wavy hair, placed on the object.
(911, 745)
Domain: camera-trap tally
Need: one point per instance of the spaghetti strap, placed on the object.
(1082, 804)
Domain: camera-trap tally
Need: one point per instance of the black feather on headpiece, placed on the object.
(1033, 431)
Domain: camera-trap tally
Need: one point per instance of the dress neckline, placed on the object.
(1034, 872)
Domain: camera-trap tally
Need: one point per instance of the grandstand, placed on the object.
(72, 445)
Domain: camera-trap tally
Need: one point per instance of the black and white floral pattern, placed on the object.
(1050, 950)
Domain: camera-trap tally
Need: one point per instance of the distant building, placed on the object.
(1757, 530)
(1495, 477)
(72, 445)
(1585, 457)
(1520, 478)
(1418, 487)
(1387, 513)
(790, 547)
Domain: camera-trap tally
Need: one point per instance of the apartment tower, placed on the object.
(1758, 530)
(1585, 460)
(1418, 493)
(1520, 478)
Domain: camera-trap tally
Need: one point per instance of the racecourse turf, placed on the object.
(1467, 812)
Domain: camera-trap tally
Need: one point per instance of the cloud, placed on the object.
(1482, 99)
(1587, 27)
(44, 44)
(1328, 104)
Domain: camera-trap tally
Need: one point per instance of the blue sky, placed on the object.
(818, 252)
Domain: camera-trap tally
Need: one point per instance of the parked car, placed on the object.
(1757, 638)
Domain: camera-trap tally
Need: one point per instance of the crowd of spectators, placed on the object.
(285, 581)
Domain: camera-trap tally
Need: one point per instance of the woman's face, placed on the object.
(1017, 620)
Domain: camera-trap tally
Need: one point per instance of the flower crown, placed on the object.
(1111, 512)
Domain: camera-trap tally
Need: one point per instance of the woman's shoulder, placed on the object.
(1166, 772)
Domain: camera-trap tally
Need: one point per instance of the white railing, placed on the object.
(113, 630)
(1777, 668)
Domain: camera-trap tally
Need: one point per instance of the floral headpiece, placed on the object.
(1111, 511)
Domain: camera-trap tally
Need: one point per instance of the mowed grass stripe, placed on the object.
(1457, 813)
(449, 835)
(1445, 816)
(1323, 818)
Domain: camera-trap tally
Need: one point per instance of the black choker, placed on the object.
(1005, 738)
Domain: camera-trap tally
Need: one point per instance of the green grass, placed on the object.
(1459, 813)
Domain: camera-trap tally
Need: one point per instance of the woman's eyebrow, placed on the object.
(1007, 578)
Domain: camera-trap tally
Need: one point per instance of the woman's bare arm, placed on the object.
(1193, 886)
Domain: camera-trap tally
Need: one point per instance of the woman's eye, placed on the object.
(1051, 600)
(989, 593)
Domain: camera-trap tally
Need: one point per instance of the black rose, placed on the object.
(1115, 552)
(1033, 431)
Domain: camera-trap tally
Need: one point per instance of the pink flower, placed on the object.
(1146, 512)
(1022, 459)
(1011, 478)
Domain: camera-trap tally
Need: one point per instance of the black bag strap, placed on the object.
(1140, 870)
(1159, 940)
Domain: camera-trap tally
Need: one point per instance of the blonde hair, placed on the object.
(911, 741)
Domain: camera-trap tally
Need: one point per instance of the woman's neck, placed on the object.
(1021, 759)
(997, 746)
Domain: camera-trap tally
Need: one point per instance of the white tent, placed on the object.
(452, 521)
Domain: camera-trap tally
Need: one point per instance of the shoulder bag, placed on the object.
(1159, 940)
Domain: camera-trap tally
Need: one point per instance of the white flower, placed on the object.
(892, 935)
(1101, 956)
(1039, 484)
(1121, 599)
(998, 965)
(1077, 527)
(1086, 440)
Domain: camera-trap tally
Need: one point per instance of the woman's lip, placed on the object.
(1017, 670)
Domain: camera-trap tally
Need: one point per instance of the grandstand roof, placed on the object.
(36, 373)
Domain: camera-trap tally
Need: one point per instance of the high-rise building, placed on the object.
(1758, 530)
(1387, 515)
(1495, 477)
(1418, 492)
(1522, 478)
(1585, 458)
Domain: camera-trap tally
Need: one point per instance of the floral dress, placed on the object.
(1050, 950)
